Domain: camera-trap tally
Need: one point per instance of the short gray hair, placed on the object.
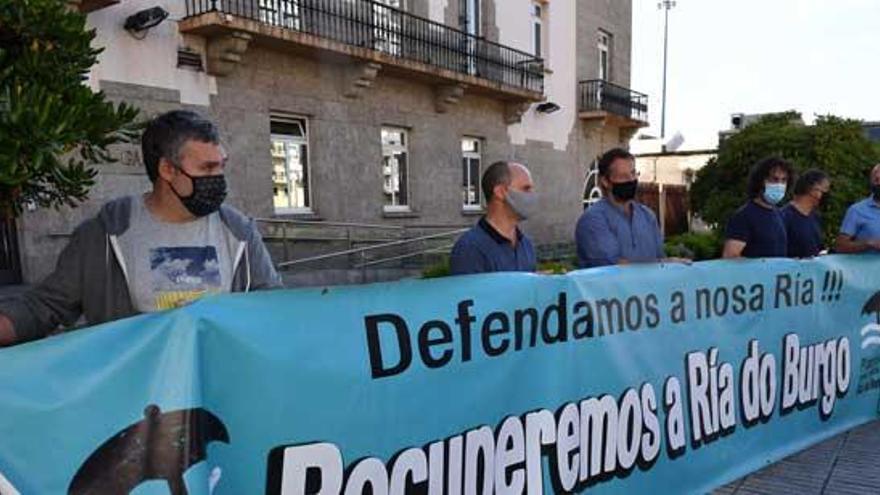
(166, 134)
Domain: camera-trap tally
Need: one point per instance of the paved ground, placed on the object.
(848, 464)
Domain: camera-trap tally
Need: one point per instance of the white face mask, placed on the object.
(524, 204)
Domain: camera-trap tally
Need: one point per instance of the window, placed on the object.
(604, 45)
(290, 165)
(284, 13)
(538, 29)
(471, 17)
(471, 163)
(395, 169)
(387, 24)
(592, 191)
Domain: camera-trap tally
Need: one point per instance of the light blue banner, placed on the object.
(641, 379)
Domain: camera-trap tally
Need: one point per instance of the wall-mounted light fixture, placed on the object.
(145, 19)
(548, 107)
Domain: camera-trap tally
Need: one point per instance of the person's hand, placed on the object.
(684, 261)
(7, 331)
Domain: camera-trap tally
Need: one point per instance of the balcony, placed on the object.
(382, 37)
(609, 104)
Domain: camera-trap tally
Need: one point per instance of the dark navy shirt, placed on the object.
(483, 249)
(762, 229)
(804, 232)
(605, 234)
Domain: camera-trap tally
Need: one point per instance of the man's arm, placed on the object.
(846, 240)
(263, 273)
(733, 248)
(57, 300)
(7, 334)
(846, 244)
(737, 235)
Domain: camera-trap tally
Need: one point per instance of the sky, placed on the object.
(752, 56)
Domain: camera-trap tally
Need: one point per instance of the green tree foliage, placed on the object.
(53, 128)
(835, 145)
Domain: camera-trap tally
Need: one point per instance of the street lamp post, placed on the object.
(667, 5)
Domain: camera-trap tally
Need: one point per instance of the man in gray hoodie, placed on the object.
(156, 251)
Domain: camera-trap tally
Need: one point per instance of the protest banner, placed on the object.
(663, 379)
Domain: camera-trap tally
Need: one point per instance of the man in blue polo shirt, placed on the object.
(860, 231)
(618, 229)
(496, 244)
(757, 229)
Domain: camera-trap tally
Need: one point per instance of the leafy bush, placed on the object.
(52, 126)
(835, 145)
(555, 267)
(437, 270)
(696, 246)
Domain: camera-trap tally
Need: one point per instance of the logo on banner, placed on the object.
(869, 370)
(162, 446)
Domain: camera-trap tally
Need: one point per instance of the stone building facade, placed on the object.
(376, 112)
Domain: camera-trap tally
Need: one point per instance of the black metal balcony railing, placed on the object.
(599, 95)
(369, 24)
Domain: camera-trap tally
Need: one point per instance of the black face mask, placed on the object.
(875, 191)
(625, 191)
(207, 195)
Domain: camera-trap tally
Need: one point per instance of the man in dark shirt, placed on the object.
(496, 244)
(757, 230)
(802, 224)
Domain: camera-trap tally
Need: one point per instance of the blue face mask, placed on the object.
(773, 193)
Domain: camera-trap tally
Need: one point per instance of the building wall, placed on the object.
(345, 139)
(614, 17)
(151, 61)
(560, 82)
(670, 169)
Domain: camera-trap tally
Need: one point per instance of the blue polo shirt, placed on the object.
(605, 234)
(762, 229)
(483, 249)
(862, 221)
(804, 232)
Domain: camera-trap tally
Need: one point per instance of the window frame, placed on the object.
(289, 139)
(404, 148)
(471, 155)
(604, 43)
(539, 44)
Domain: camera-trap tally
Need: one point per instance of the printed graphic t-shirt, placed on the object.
(169, 265)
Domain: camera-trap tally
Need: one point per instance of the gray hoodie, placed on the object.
(89, 278)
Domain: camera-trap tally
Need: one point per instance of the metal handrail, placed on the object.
(394, 32)
(363, 250)
(440, 249)
(321, 223)
(598, 94)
